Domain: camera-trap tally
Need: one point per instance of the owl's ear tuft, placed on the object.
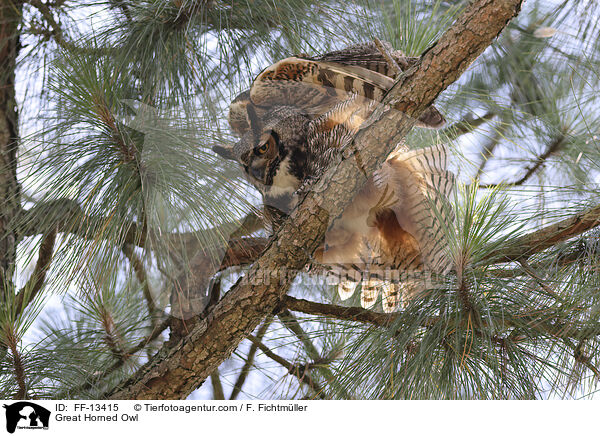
(225, 152)
(253, 119)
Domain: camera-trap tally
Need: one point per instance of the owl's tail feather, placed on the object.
(346, 289)
(368, 293)
(391, 296)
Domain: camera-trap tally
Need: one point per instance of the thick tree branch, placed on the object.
(534, 242)
(177, 370)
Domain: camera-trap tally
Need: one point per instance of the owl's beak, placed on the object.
(226, 152)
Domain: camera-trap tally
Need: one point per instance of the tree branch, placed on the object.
(292, 324)
(490, 146)
(552, 148)
(55, 30)
(467, 125)
(299, 371)
(142, 277)
(66, 216)
(539, 240)
(179, 369)
(237, 387)
(155, 333)
(215, 379)
(36, 281)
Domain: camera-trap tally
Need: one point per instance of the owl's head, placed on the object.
(273, 150)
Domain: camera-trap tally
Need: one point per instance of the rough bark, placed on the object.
(180, 368)
(10, 18)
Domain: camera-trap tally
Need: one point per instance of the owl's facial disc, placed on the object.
(260, 162)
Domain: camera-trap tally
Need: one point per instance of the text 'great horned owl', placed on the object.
(296, 117)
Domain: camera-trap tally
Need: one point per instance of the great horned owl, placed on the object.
(296, 117)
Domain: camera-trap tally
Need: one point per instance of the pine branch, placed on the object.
(66, 216)
(239, 384)
(394, 67)
(142, 277)
(573, 330)
(552, 148)
(155, 333)
(292, 324)
(467, 125)
(27, 294)
(18, 366)
(299, 371)
(490, 146)
(181, 368)
(217, 386)
(343, 313)
(55, 29)
(539, 240)
(580, 357)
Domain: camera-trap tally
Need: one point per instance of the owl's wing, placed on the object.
(313, 86)
(411, 239)
(318, 84)
(422, 184)
(367, 55)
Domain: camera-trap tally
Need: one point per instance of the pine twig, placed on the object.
(580, 357)
(292, 324)
(554, 147)
(531, 272)
(249, 362)
(27, 294)
(388, 57)
(155, 333)
(490, 146)
(142, 277)
(215, 379)
(299, 371)
(55, 29)
(467, 125)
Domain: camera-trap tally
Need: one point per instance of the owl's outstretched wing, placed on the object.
(422, 183)
(410, 218)
(318, 84)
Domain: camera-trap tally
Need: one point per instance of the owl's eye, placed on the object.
(262, 149)
(270, 143)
